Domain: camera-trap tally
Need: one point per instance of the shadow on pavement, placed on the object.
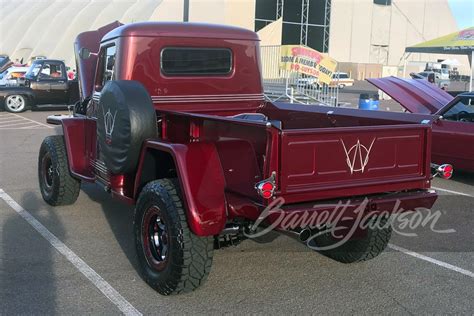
(120, 218)
(464, 177)
(27, 277)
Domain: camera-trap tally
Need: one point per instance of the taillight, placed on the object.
(445, 171)
(266, 188)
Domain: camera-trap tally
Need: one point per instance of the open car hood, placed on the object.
(86, 67)
(417, 96)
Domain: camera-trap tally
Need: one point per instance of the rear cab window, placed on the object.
(192, 61)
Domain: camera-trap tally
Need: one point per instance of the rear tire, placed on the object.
(172, 259)
(57, 185)
(357, 250)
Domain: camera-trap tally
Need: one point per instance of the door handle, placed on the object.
(61, 81)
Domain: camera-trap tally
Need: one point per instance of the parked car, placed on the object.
(341, 80)
(453, 118)
(432, 77)
(173, 119)
(46, 86)
(13, 76)
(5, 63)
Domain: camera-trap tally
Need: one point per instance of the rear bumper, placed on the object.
(349, 209)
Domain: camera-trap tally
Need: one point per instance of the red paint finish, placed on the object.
(417, 96)
(75, 131)
(307, 151)
(323, 162)
(351, 208)
(453, 143)
(86, 67)
(202, 184)
(139, 59)
(451, 139)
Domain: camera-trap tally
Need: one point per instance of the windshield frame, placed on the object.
(29, 74)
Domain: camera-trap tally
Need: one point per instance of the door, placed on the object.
(105, 72)
(59, 91)
(51, 84)
(453, 136)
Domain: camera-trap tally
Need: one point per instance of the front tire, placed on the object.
(172, 259)
(15, 103)
(57, 185)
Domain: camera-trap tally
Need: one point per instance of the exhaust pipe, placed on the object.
(230, 230)
(305, 234)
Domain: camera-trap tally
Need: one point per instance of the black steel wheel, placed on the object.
(57, 185)
(155, 238)
(172, 258)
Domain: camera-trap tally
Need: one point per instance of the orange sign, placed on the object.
(307, 61)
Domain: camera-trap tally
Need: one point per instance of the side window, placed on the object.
(52, 71)
(108, 64)
(463, 110)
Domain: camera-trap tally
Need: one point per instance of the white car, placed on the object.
(341, 80)
(12, 76)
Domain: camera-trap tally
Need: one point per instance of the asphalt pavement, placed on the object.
(80, 259)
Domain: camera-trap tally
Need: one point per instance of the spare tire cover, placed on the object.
(125, 119)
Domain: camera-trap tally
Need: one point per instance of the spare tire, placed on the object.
(125, 119)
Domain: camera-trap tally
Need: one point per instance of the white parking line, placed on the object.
(11, 120)
(453, 192)
(10, 124)
(432, 260)
(14, 121)
(42, 124)
(118, 300)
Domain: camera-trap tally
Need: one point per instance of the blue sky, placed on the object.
(463, 11)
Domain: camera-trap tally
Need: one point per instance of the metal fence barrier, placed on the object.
(290, 86)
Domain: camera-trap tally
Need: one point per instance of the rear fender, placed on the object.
(201, 180)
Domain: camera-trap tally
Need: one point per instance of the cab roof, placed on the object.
(181, 29)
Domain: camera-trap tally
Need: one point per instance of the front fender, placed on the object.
(202, 183)
(26, 91)
(76, 130)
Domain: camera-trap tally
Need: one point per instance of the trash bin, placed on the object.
(369, 101)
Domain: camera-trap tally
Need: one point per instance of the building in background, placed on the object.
(364, 35)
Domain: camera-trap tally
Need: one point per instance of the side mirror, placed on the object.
(84, 53)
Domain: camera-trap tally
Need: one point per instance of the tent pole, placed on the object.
(472, 70)
(404, 65)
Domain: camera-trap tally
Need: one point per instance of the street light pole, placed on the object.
(186, 11)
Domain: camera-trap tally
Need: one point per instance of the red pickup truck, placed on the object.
(173, 120)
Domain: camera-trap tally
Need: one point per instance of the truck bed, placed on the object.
(328, 152)
(317, 152)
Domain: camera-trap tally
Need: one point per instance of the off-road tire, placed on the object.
(358, 249)
(189, 257)
(59, 187)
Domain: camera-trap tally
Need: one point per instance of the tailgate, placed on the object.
(335, 162)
